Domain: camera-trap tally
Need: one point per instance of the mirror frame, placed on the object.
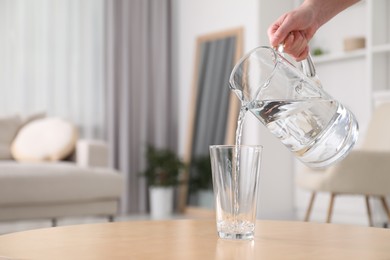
(234, 106)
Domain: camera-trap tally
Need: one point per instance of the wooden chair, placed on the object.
(363, 172)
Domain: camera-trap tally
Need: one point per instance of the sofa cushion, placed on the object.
(47, 139)
(9, 127)
(26, 183)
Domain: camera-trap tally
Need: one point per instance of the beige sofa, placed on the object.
(83, 186)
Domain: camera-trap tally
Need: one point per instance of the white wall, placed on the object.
(193, 18)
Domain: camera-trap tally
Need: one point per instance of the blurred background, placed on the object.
(130, 73)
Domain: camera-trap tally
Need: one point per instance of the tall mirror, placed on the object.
(213, 114)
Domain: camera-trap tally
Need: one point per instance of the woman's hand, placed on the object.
(294, 30)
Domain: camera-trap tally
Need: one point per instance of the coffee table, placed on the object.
(196, 239)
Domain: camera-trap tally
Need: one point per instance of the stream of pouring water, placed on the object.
(245, 107)
(236, 161)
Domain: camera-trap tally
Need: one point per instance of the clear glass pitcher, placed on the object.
(292, 104)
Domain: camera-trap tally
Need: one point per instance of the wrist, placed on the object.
(314, 8)
(324, 10)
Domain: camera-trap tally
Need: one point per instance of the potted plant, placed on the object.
(162, 174)
(201, 183)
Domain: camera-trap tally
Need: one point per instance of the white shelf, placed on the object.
(381, 96)
(339, 56)
(381, 48)
(381, 93)
(384, 48)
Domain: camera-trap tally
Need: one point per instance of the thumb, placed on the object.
(278, 32)
(274, 40)
(280, 35)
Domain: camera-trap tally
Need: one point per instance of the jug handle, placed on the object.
(309, 70)
(308, 67)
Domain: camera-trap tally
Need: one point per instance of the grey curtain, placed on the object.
(51, 60)
(141, 100)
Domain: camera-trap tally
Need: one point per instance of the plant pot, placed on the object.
(161, 202)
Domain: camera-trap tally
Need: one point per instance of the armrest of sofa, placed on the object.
(91, 153)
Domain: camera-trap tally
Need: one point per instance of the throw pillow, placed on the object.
(47, 139)
(31, 117)
(9, 127)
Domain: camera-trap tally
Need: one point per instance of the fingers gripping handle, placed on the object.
(308, 67)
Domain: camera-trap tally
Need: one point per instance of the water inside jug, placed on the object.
(294, 107)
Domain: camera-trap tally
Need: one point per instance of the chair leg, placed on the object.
(310, 207)
(330, 209)
(370, 223)
(385, 207)
(53, 222)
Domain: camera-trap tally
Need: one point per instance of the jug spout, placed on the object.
(237, 91)
(249, 76)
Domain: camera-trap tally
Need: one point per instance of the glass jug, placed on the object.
(291, 103)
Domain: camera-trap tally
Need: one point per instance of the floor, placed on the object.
(15, 226)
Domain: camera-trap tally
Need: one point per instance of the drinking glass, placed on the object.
(236, 172)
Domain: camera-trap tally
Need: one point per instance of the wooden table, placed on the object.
(196, 239)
